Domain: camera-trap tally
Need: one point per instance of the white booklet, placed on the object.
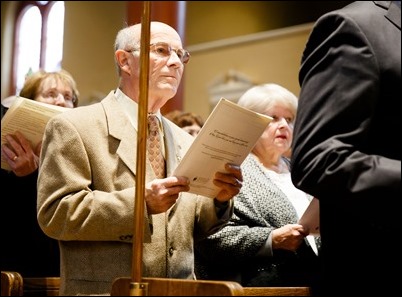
(30, 118)
(228, 135)
(310, 219)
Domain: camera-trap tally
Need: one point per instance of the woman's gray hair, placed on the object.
(261, 97)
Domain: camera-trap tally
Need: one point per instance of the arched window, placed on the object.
(38, 39)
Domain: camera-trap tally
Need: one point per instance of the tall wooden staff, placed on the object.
(137, 287)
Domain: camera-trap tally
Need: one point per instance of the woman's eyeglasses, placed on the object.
(53, 95)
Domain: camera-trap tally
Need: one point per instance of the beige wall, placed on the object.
(265, 57)
(91, 26)
(89, 36)
(7, 28)
(244, 17)
(214, 20)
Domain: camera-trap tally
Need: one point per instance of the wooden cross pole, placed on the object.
(137, 287)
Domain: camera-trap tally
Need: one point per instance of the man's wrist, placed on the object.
(221, 205)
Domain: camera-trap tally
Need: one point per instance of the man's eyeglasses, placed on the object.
(164, 50)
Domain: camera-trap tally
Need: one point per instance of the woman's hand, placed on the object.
(19, 154)
(288, 237)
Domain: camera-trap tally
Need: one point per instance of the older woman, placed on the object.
(263, 244)
(26, 249)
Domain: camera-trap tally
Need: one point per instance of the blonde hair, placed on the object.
(33, 82)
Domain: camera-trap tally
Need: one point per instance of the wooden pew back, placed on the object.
(41, 286)
(12, 284)
(179, 287)
(276, 291)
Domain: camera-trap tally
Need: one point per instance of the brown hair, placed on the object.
(184, 119)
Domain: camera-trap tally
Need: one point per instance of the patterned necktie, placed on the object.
(155, 147)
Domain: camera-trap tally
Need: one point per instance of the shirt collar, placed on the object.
(130, 107)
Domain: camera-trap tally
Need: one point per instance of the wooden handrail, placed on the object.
(276, 291)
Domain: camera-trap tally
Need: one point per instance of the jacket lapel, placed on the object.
(121, 131)
(392, 13)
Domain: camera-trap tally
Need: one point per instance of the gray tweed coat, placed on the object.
(260, 207)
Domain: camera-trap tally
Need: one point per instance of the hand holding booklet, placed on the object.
(228, 136)
(30, 118)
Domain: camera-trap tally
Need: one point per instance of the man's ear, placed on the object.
(123, 60)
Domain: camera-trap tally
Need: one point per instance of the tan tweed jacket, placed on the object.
(86, 189)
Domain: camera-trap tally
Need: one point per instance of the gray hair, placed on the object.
(261, 97)
(128, 38)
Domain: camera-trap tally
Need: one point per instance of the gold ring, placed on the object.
(15, 158)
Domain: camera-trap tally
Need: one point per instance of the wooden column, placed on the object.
(172, 13)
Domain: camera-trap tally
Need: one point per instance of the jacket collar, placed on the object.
(393, 13)
(120, 128)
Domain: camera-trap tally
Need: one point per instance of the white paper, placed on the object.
(228, 136)
(30, 118)
(311, 218)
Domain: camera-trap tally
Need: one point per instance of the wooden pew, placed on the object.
(276, 291)
(179, 287)
(41, 286)
(11, 283)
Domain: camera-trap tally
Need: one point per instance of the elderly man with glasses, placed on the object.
(86, 195)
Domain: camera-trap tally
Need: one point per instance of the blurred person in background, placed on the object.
(189, 121)
(25, 248)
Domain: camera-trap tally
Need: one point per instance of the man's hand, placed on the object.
(161, 194)
(230, 182)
